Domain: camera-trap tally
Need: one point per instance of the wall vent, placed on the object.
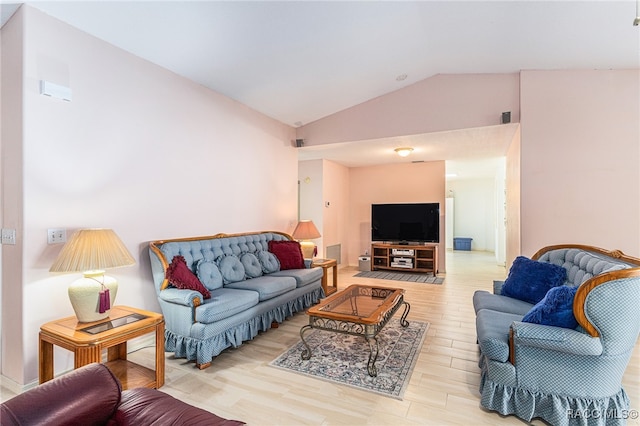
(334, 252)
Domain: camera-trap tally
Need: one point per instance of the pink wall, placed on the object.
(442, 102)
(336, 192)
(574, 169)
(11, 192)
(140, 150)
(513, 201)
(395, 183)
(310, 178)
(322, 182)
(580, 156)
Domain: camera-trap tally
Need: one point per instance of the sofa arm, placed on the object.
(190, 298)
(88, 395)
(556, 339)
(144, 406)
(497, 286)
(308, 263)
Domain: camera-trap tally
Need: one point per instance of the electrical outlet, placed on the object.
(8, 236)
(56, 236)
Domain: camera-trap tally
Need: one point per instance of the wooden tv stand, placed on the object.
(393, 257)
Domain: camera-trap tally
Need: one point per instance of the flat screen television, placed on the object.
(406, 223)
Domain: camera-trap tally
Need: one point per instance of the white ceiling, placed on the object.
(474, 150)
(299, 61)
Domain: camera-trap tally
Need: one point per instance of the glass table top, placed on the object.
(358, 302)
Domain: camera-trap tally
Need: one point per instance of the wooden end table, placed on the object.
(87, 340)
(325, 264)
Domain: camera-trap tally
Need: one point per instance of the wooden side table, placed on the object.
(87, 341)
(325, 264)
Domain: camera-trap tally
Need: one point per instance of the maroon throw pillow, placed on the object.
(179, 275)
(289, 253)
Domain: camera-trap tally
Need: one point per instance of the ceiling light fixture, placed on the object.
(403, 152)
(636, 21)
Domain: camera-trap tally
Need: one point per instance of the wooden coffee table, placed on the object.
(359, 310)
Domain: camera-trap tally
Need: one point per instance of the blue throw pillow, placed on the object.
(529, 280)
(269, 261)
(252, 267)
(556, 308)
(209, 274)
(231, 268)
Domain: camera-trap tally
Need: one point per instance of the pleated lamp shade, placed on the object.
(306, 230)
(91, 251)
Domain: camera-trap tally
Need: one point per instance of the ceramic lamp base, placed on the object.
(84, 295)
(308, 249)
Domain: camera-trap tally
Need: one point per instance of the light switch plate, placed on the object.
(8, 236)
(56, 236)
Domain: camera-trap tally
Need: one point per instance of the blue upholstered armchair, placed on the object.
(565, 376)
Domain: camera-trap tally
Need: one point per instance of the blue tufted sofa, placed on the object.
(564, 376)
(240, 306)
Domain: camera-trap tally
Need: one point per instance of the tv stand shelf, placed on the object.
(404, 257)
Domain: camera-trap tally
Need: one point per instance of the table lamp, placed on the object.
(91, 251)
(306, 230)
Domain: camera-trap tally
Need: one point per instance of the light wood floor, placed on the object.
(443, 389)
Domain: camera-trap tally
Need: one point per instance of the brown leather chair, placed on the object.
(92, 395)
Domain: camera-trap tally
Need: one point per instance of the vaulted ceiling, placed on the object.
(299, 61)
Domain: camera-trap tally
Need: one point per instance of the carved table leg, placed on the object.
(373, 356)
(306, 353)
(403, 319)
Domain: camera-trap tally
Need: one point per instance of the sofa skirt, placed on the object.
(202, 350)
(558, 410)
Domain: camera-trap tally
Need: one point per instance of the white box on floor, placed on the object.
(364, 263)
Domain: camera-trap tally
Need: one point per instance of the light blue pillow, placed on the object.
(209, 274)
(269, 261)
(231, 269)
(252, 266)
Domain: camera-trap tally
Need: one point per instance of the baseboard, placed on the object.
(14, 386)
(136, 344)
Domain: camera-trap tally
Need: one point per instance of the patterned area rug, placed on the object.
(401, 276)
(342, 358)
